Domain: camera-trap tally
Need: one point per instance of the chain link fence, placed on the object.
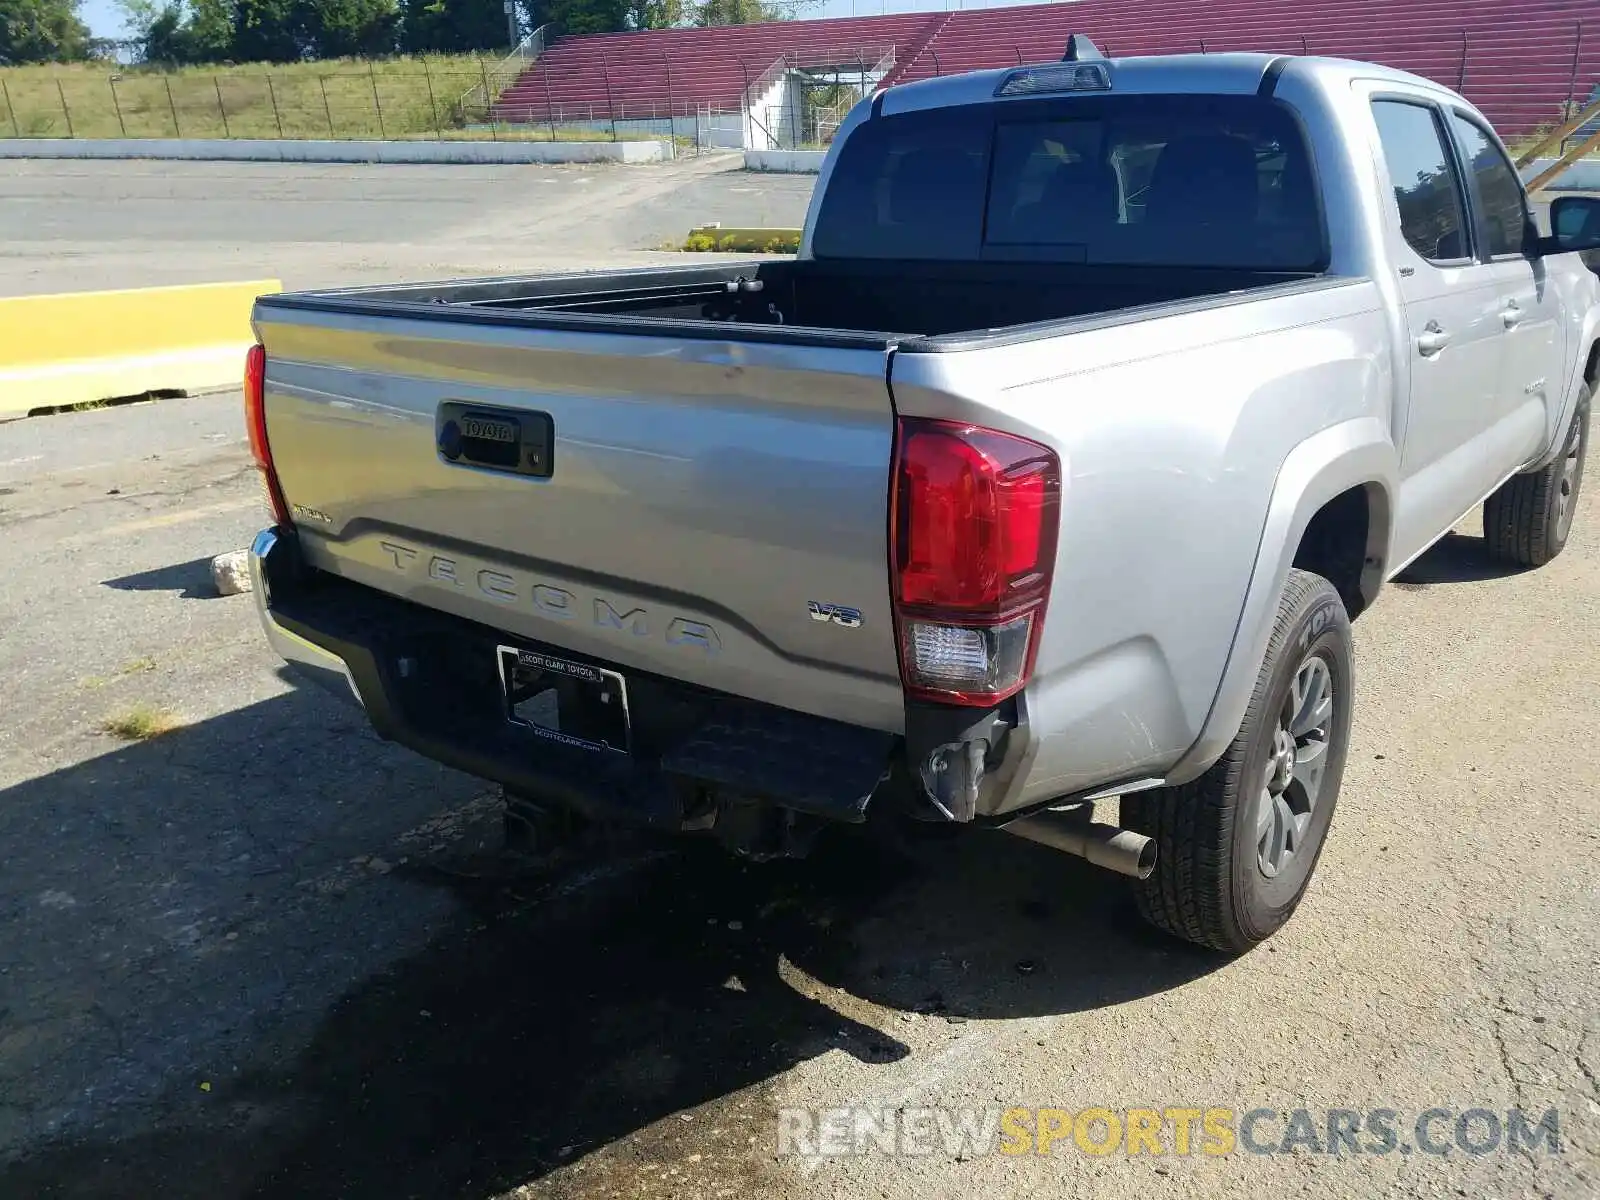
(377, 101)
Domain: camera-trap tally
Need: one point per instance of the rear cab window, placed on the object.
(1184, 180)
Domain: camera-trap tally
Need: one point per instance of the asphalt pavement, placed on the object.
(69, 225)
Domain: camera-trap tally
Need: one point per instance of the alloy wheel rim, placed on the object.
(1567, 486)
(1291, 782)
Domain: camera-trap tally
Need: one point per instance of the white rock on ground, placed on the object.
(231, 573)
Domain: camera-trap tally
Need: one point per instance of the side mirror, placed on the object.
(1574, 225)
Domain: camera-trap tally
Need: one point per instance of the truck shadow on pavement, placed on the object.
(1456, 558)
(618, 988)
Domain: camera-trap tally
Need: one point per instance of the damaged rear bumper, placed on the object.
(428, 681)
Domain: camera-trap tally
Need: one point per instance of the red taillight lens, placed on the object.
(255, 423)
(976, 514)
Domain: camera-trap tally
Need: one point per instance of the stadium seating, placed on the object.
(1519, 62)
(663, 72)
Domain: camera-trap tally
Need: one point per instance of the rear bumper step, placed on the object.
(428, 681)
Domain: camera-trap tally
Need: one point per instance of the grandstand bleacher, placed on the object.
(1521, 63)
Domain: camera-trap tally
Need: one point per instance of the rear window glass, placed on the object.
(1160, 180)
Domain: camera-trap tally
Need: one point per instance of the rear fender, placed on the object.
(1343, 456)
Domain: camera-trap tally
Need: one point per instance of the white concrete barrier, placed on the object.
(364, 151)
(795, 162)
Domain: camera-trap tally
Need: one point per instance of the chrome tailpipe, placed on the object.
(1108, 846)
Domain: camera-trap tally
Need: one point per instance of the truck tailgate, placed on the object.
(702, 499)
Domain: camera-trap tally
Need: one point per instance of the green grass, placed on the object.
(704, 242)
(135, 666)
(140, 723)
(398, 98)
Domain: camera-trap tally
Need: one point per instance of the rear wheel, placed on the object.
(1237, 846)
(1527, 520)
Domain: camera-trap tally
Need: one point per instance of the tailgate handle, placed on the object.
(514, 440)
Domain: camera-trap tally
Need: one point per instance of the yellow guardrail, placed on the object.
(716, 238)
(78, 347)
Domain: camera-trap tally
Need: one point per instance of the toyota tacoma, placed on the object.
(1100, 398)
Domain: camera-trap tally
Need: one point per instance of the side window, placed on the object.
(1505, 217)
(1426, 186)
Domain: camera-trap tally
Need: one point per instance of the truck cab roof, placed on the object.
(1215, 74)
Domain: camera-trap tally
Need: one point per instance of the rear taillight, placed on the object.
(255, 423)
(975, 517)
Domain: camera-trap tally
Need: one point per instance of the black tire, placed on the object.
(1211, 883)
(1526, 522)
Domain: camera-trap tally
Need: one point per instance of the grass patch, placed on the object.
(140, 723)
(431, 97)
(706, 242)
(134, 666)
(401, 97)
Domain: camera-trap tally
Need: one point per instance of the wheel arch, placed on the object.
(1332, 508)
(1585, 371)
(1346, 541)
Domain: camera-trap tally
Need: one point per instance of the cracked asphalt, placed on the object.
(267, 955)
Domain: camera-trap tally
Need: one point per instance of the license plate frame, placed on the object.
(567, 702)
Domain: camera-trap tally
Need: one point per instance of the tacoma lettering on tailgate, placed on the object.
(556, 603)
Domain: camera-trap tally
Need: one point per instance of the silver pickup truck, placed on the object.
(1101, 397)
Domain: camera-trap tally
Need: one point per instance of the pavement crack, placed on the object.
(1505, 1059)
(1588, 1072)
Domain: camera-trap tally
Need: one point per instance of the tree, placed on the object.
(611, 16)
(452, 25)
(349, 28)
(210, 31)
(736, 12)
(40, 31)
(578, 17)
(267, 31)
(163, 38)
(659, 14)
(176, 33)
(140, 15)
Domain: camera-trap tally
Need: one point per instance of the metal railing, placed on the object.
(1574, 126)
(779, 126)
(693, 123)
(825, 119)
(507, 71)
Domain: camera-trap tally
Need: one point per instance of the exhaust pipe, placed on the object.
(1108, 846)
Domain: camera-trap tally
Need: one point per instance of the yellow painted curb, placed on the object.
(717, 238)
(81, 346)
